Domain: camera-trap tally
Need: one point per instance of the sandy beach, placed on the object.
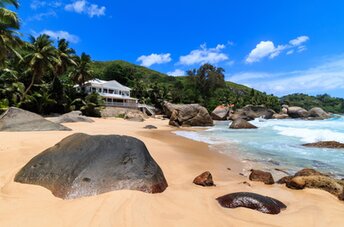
(182, 204)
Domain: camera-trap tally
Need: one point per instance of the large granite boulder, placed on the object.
(74, 116)
(83, 165)
(318, 113)
(326, 144)
(220, 113)
(297, 112)
(258, 175)
(253, 201)
(187, 115)
(241, 124)
(134, 116)
(18, 120)
(251, 112)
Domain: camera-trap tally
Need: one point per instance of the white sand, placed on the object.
(182, 204)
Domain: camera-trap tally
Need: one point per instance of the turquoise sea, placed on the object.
(278, 143)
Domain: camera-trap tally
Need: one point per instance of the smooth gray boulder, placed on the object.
(297, 112)
(83, 165)
(220, 113)
(71, 117)
(241, 124)
(18, 120)
(187, 115)
(318, 113)
(251, 112)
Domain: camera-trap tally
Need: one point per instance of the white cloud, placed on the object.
(268, 49)
(177, 72)
(326, 77)
(61, 35)
(299, 40)
(41, 16)
(149, 60)
(205, 55)
(83, 6)
(35, 4)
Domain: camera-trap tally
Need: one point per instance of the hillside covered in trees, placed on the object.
(326, 102)
(205, 85)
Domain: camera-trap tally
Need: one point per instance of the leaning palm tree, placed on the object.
(41, 59)
(9, 23)
(82, 71)
(65, 54)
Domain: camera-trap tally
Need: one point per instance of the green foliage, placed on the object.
(91, 105)
(325, 101)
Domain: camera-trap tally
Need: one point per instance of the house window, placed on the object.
(116, 92)
(111, 91)
(109, 100)
(105, 90)
(94, 89)
(120, 92)
(99, 90)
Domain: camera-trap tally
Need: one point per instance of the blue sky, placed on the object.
(280, 47)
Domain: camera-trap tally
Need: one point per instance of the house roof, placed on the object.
(112, 84)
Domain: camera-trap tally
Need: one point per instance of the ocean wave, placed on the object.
(310, 135)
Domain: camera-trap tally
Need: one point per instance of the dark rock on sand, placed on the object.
(326, 144)
(258, 175)
(150, 127)
(220, 113)
(241, 124)
(83, 165)
(18, 120)
(253, 201)
(318, 113)
(297, 112)
(284, 180)
(74, 116)
(187, 115)
(205, 179)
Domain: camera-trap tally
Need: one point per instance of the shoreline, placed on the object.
(181, 204)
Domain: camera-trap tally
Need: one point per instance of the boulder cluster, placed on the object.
(305, 178)
(315, 113)
(187, 115)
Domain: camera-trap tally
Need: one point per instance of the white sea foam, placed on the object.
(312, 135)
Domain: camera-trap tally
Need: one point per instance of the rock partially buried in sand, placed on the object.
(326, 144)
(150, 127)
(253, 201)
(83, 165)
(205, 179)
(258, 175)
(133, 116)
(71, 117)
(18, 120)
(241, 124)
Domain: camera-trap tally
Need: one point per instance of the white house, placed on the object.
(114, 93)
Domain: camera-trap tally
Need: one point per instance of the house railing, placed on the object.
(122, 104)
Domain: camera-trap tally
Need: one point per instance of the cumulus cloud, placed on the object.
(42, 16)
(83, 6)
(205, 55)
(61, 35)
(177, 72)
(149, 60)
(323, 78)
(36, 4)
(268, 49)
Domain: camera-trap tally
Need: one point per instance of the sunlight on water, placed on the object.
(278, 142)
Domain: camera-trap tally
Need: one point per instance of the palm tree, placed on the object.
(82, 71)
(9, 23)
(41, 59)
(65, 54)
